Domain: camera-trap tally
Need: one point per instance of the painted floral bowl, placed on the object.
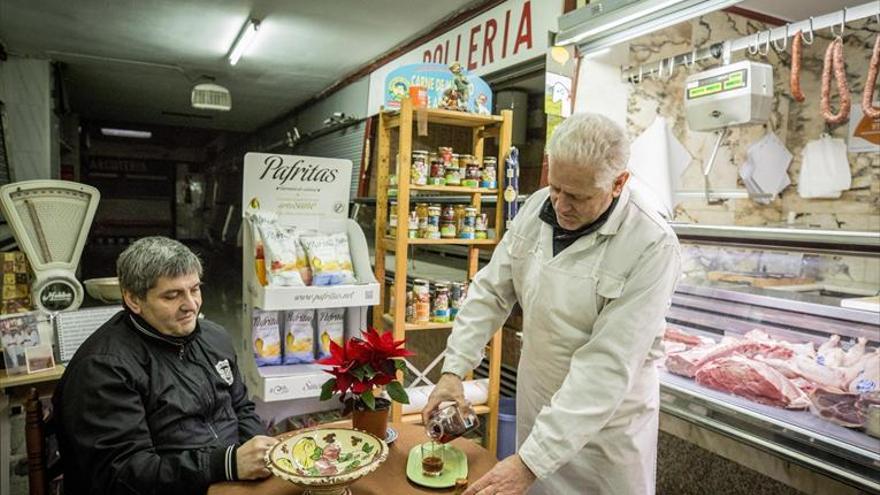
(325, 461)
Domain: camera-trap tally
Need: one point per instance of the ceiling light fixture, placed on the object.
(244, 39)
(110, 131)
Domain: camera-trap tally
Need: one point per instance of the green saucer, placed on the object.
(454, 467)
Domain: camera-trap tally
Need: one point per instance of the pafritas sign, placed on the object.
(513, 32)
(293, 185)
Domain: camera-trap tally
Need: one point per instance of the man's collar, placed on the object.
(612, 224)
(145, 328)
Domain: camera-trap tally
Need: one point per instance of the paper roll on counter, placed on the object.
(475, 391)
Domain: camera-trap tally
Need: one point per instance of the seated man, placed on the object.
(153, 401)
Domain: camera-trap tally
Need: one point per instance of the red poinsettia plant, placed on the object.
(363, 367)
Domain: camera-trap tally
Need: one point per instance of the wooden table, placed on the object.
(8, 384)
(389, 479)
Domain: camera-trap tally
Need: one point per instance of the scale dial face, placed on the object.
(57, 294)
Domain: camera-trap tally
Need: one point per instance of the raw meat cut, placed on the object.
(855, 353)
(865, 375)
(687, 363)
(830, 353)
(675, 335)
(674, 347)
(839, 408)
(784, 366)
(831, 378)
(753, 380)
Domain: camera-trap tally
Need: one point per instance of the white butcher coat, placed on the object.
(593, 316)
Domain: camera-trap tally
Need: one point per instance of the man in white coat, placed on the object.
(593, 268)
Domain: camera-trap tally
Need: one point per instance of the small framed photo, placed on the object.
(39, 358)
(17, 333)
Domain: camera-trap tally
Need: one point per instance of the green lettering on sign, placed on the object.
(696, 92)
(733, 84)
(713, 88)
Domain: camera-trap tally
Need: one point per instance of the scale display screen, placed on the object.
(718, 84)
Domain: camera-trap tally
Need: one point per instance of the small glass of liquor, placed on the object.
(433, 458)
(450, 422)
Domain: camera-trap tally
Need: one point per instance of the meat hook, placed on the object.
(804, 34)
(842, 25)
(784, 41)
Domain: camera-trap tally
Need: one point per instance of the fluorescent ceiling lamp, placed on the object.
(243, 40)
(110, 131)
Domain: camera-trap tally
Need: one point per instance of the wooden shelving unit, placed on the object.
(482, 127)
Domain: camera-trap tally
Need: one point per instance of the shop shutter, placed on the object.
(346, 142)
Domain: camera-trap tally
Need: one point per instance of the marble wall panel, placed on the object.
(795, 123)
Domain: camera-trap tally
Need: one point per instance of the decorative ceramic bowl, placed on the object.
(104, 289)
(325, 461)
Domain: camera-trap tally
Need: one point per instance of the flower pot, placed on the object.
(372, 421)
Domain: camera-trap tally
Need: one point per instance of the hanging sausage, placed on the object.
(834, 60)
(795, 79)
(868, 94)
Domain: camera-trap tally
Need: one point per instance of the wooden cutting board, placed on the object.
(758, 280)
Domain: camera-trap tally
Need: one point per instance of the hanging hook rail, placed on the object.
(835, 20)
(842, 25)
(754, 49)
(784, 41)
(766, 50)
(804, 34)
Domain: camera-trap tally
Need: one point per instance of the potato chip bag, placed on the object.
(266, 337)
(279, 245)
(331, 326)
(329, 258)
(299, 336)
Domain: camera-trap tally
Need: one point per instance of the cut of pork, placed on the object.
(687, 363)
(752, 380)
(839, 408)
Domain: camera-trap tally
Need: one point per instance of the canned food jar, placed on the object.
(421, 301)
(473, 173)
(410, 308)
(441, 303)
(419, 168)
(422, 216)
(453, 172)
(489, 177)
(445, 153)
(392, 219)
(413, 225)
(456, 298)
(438, 171)
(433, 229)
(459, 216)
(468, 226)
(482, 226)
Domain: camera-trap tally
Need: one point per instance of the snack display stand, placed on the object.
(398, 126)
(307, 193)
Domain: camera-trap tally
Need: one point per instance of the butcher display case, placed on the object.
(792, 295)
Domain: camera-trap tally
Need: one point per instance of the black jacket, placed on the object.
(138, 412)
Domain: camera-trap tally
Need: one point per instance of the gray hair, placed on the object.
(143, 263)
(591, 140)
